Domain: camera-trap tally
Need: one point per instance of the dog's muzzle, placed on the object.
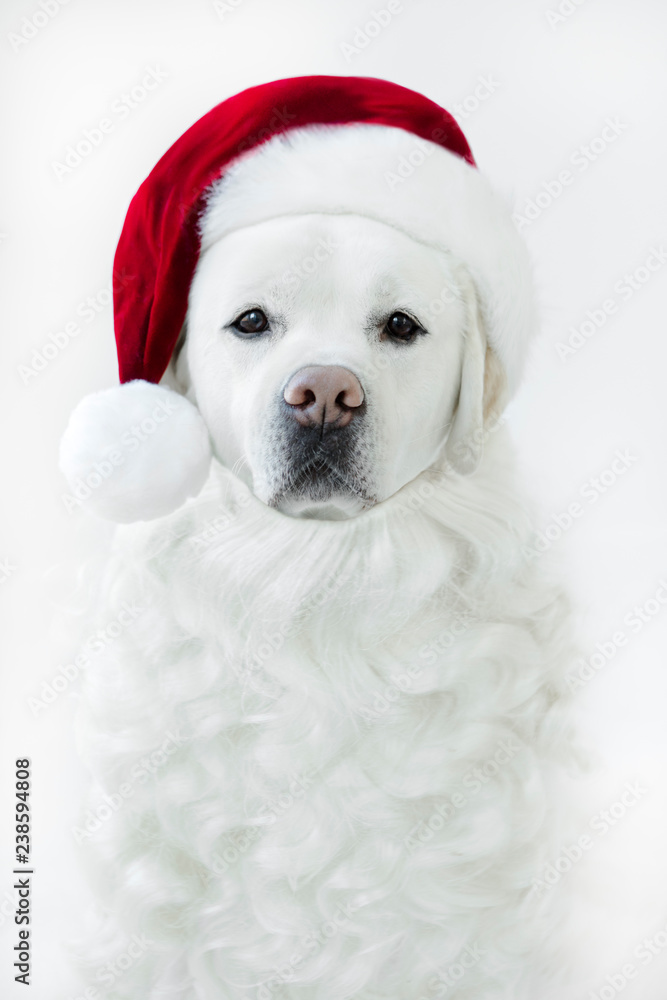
(320, 438)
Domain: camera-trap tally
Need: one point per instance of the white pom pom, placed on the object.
(135, 452)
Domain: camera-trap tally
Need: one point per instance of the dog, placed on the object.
(331, 745)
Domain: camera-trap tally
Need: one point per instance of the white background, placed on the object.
(554, 86)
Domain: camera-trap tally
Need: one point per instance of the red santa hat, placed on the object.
(309, 144)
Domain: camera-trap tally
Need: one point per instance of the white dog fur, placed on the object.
(361, 701)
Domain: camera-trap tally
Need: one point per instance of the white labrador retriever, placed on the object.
(330, 745)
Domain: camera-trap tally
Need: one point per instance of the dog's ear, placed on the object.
(482, 392)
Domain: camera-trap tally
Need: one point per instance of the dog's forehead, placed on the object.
(308, 259)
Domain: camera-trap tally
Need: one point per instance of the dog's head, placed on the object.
(333, 358)
(352, 297)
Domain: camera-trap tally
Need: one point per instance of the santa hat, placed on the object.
(309, 144)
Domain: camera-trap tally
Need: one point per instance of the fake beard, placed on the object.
(329, 750)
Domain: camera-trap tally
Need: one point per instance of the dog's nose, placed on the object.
(324, 394)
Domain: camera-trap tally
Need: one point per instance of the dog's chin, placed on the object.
(322, 494)
(337, 508)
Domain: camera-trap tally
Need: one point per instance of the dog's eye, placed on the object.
(401, 327)
(253, 321)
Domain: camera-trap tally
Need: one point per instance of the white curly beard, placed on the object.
(339, 744)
